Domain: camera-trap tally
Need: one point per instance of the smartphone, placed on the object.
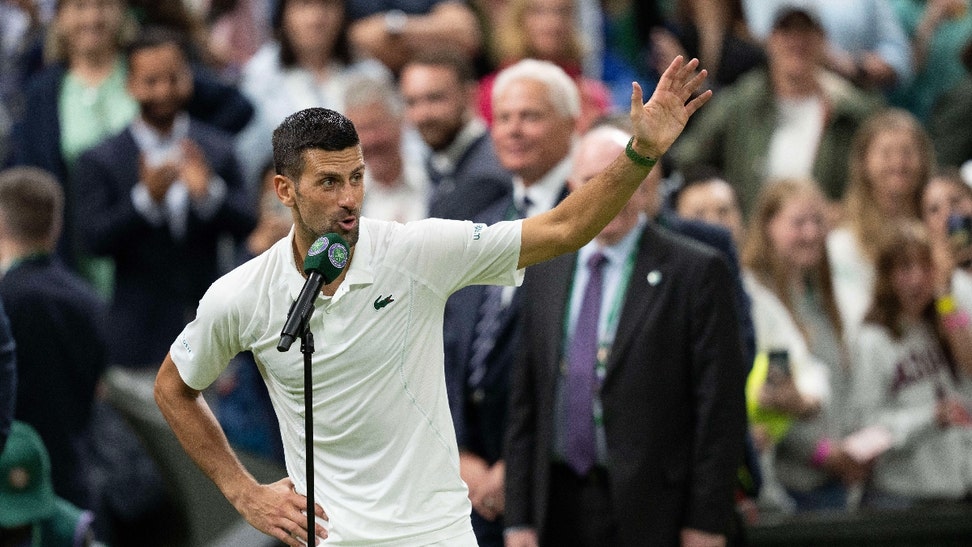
(779, 366)
(960, 234)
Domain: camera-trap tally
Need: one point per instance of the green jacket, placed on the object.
(733, 132)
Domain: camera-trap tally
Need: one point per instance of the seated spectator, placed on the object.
(393, 31)
(794, 119)
(30, 512)
(158, 199)
(546, 30)
(306, 65)
(714, 32)
(866, 42)
(891, 160)
(704, 195)
(908, 360)
(939, 30)
(799, 407)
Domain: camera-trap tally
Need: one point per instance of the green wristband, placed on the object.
(644, 161)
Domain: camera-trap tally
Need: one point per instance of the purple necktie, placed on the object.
(582, 359)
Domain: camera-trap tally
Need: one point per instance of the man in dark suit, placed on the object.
(651, 378)
(56, 320)
(466, 176)
(536, 108)
(157, 199)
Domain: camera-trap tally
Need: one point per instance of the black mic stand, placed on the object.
(307, 348)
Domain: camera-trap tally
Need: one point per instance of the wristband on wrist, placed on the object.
(945, 304)
(634, 156)
(821, 453)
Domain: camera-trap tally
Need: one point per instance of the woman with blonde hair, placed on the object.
(798, 405)
(891, 160)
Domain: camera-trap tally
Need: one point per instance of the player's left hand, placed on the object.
(661, 120)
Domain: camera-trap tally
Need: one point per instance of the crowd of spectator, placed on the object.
(832, 171)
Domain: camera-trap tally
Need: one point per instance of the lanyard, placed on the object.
(606, 335)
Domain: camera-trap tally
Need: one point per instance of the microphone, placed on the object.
(325, 260)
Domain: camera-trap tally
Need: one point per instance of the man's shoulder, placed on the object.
(29, 284)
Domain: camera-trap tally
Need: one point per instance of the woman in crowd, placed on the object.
(891, 160)
(910, 360)
(795, 314)
(546, 30)
(306, 65)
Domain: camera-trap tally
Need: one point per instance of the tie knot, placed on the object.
(523, 209)
(596, 260)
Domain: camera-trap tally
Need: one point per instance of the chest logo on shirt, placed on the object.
(382, 302)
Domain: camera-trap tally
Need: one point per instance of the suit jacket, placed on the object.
(478, 182)
(673, 401)
(158, 279)
(57, 321)
(480, 419)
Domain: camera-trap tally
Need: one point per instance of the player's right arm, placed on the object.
(274, 509)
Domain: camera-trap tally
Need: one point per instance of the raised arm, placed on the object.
(586, 211)
(274, 509)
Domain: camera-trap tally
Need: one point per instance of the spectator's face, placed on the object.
(90, 26)
(313, 26)
(714, 202)
(795, 52)
(940, 199)
(548, 25)
(892, 165)
(436, 102)
(380, 133)
(160, 81)
(327, 197)
(913, 280)
(797, 232)
(593, 155)
(530, 136)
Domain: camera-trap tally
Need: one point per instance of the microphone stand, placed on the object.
(307, 349)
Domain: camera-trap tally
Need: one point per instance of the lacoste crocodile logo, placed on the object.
(381, 303)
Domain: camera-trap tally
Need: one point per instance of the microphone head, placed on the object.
(327, 256)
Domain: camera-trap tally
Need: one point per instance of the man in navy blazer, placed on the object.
(669, 409)
(535, 111)
(157, 199)
(466, 175)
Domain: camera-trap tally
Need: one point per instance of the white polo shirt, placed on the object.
(386, 460)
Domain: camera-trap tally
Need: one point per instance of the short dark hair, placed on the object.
(151, 37)
(310, 129)
(31, 204)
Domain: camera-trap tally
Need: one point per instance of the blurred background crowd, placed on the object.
(836, 155)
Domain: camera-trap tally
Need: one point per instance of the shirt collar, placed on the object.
(546, 191)
(149, 138)
(360, 270)
(620, 251)
(446, 160)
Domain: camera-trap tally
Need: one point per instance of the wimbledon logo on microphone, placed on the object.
(318, 246)
(338, 255)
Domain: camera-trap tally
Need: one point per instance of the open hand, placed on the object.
(278, 510)
(661, 120)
